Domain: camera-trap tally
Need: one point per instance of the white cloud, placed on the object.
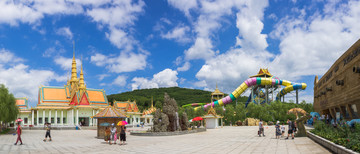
(184, 5)
(65, 31)
(125, 62)
(309, 46)
(21, 80)
(118, 16)
(185, 67)
(165, 78)
(120, 80)
(13, 12)
(65, 63)
(102, 76)
(231, 68)
(6, 56)
(179, 34)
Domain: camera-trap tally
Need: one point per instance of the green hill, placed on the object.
(181, 95)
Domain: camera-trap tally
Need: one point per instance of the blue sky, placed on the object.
(136, 44)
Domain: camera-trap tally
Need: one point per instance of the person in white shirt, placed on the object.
(261, 128)
(282, 130)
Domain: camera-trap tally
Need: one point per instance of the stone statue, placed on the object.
(161, 122)
(301, 132)
(170, 108)
(184, 122)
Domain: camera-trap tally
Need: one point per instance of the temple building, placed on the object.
(147, 116)
(24, 111)
(217, 94)
(130, 109)
(68, 105)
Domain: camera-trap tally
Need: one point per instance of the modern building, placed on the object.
(337, 92)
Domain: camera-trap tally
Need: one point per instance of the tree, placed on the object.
(8, 108)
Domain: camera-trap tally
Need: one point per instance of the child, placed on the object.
(107, 134)
(123, 134)
(47, 128)
(277, 130)
(282, 130)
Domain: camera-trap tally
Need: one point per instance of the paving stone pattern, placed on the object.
(226, 140)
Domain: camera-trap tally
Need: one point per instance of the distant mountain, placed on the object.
(181, 95)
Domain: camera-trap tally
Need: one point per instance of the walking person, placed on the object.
(18, 131)
(107, 135)
(113, 134)
(291, 129)
(277, 130)
(261, 128)
(47, 128)
(123, 135)
(282, 130)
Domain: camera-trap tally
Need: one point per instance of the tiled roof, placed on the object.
(110, 112)
(22, 103)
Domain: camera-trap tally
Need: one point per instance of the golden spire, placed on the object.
(152, 102)
(73, 67)
(81, 82)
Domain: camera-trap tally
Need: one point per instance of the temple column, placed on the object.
(37, 117)
(77, 116)
(91, 120)
(32, 117)
(55, 120)
(62, 117)
(43, 118)
(49, 120)
(72, 116)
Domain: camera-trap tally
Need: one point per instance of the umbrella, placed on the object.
(105, 124)
(122, 123)
(190, 120)
(197, 119)
(18, 120)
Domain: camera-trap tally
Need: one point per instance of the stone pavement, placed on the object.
(226, 140)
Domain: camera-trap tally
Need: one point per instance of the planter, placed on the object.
(167, 133)
(329, 145)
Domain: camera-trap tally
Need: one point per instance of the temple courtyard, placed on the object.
(226, 140)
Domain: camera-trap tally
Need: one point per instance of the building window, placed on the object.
(64, 120)
(52, 120)
(58, 120)
(25, 120)
(46, 120)
(40, 121)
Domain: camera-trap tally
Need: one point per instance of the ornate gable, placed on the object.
(84, 100)
(74, 100)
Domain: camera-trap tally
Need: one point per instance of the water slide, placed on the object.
(289, 86)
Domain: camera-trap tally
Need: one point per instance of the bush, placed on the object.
(343, 135)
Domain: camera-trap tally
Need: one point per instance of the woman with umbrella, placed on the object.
(18, 131)
(122, 131)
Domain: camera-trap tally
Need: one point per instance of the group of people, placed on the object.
(280, 130)
(111, 134)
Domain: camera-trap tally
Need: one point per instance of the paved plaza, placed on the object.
(226, 140)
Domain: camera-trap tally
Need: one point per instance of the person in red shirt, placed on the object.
(18, 131)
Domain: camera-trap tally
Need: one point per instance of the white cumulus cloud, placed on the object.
(65, 31)
(165, 78)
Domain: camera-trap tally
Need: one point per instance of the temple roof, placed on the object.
(22, 103)
(217, 91)
(60, 95)
(110, 112)
(263, 73)
(211, 114)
